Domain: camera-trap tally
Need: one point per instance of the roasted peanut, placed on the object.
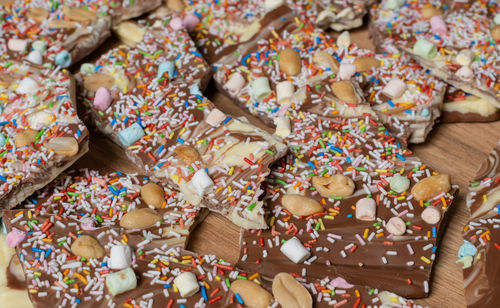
(37, 14)
(187, 154)
(430, 11)
(93, 82)
(67, 146)
(324, 59)
(139, 219)
(61, 24)
(337, 185)
(301, 205)
(25, 137)
(290, 293)
(176, 5)
(344, 90)
(430, 187)
(253, 295)
(153, 194)
(364, 64)
(290, 61)
(87, 247)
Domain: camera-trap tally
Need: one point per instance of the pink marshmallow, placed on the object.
(176, 23)
(215, 117)
(465, 74)
(14, 237)
(346, 71)
(438, 25)
(88, 224)
(235, 83)
(394, 88)
(340, 283)
(190, 21)
(102, 98)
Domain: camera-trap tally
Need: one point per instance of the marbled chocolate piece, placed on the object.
(463, 107)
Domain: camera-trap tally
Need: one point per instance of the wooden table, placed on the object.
(455, 149)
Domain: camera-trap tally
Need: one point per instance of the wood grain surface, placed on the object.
(456, 149)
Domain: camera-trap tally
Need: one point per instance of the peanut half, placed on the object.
(290, 293)
(253, 295)
(153, 194)
(337, 185)
(37, 14)
(324, 59)
(139, 219)
(344, 90)
(430, 11)
(87, 247)
(364, 64)
(25, 137)
(67, 146)
(432, 186)
(78, 14)
(176, 5)
(301, 205)
(93, 82)
(187, 154)
(290, 61)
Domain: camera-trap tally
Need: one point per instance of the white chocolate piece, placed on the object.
(187, 284)
(234, 84)
(284, 92)
(464, 57)
(394, 88)
(201, 182)
(366, 209)
(431, 215)
(26, 86)
(120, 257)
(346, 71)
(17, 44)
(122, 281)
(272, 4)
(344, 39)
(396, 226)
(465, 74)
(294, 250)
(283, 127)
(215, 117)
(35, 57)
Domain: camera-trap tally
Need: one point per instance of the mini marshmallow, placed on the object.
(283, 128)
(35, 57)
(425, 49)
(272, 4)
(366, 209)
(202, 182)
(284, 92)
(40, 46)
(260, 88)
(496, 19)
(102, 98)
(464, 57)
(215, 117)
(190, 21)
(26, 86)
(399, 183)
(17, 45)
(39, 119)
(467, 249)
(120, 257)
(393, 4)
(87, 68)
(395, 88)
(346, 71)
(87, 224)
(234, 84)
(187, 284)
(438, 25)
(166, 67)
(465, 74)
(194, 89)
(344, 39)
(14, 237)
(131, 134)
(341, 283)
(431, 215)
(63, 59)
(122, 281)
(176, 23)
(396, 226)
(294, 250)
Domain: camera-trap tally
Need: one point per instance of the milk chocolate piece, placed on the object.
(41, 134)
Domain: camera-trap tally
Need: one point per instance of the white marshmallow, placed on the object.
(120, 257)
(122, 281)
(215, 117)
(17, 44)
(187, 284)
(464, 57)
(39, 119)
(27, 85)
(396, 226)
(272, 4)
(283, 128)
(346, 71)
(234, 84)
(344, 39)
(431, 215)
(294, 250)
(201, 182)
(394, 88)
(284, 92)
(366, 209)
(465, 74)
(35, 57)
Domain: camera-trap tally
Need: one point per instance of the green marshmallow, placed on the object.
(425, 49)
(122, 281)
(496, 19)
(399, 183)
(40, 46)
(260, 88)
(87, 68)
(465, 261)
(394, 4)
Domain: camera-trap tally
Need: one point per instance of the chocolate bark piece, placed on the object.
(480, 250)
(390, 245)
(464, 56)
(59, 35)
(463, 107)
(173, 133)
(41, 134)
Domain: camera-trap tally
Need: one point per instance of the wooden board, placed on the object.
(456, 149)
